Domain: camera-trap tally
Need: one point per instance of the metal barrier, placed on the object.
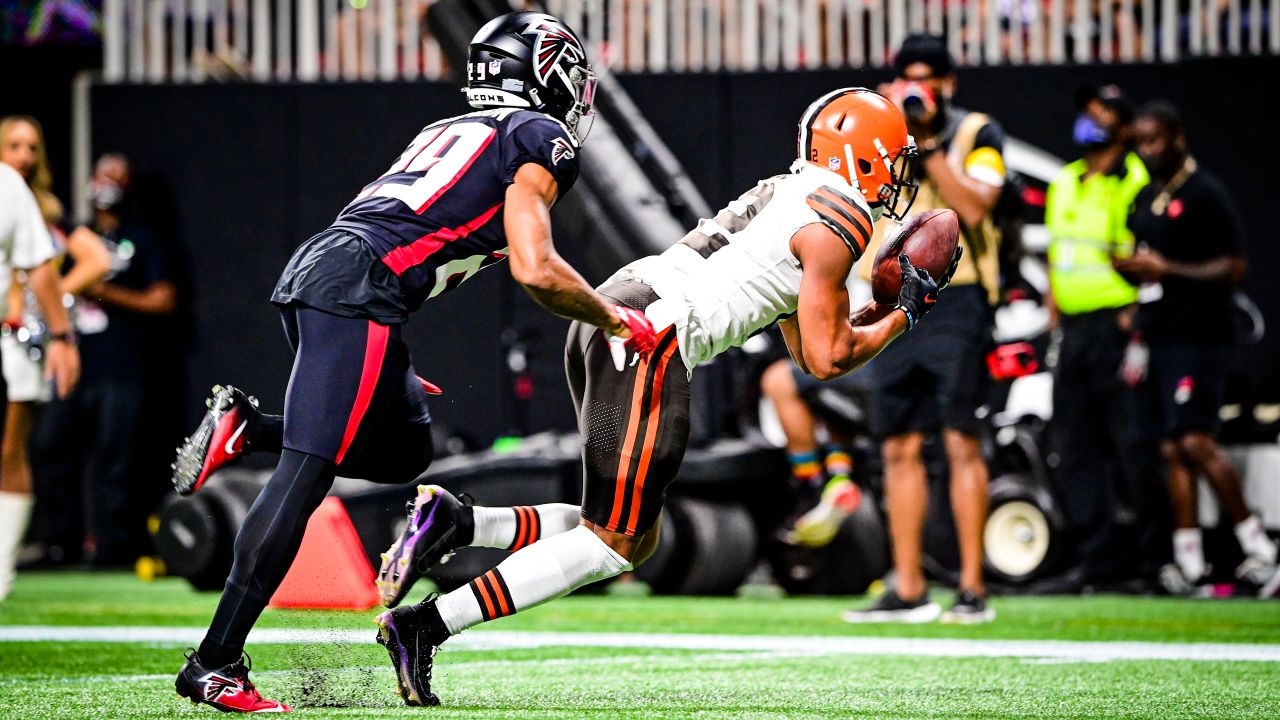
(352, 40)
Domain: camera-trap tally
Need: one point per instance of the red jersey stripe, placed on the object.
(407, 256)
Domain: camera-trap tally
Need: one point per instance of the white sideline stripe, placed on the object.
(490, 640)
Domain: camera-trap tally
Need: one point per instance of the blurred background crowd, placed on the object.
(1105, 414)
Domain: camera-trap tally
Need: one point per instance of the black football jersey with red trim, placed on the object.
(435, 217)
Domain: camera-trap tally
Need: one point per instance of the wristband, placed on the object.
(65, 336)
(911, 318)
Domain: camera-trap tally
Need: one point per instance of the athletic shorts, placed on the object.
(634, 424)
(24, 376)
(934, 376)
(338, 273)
(353, 390)
(1184, 388)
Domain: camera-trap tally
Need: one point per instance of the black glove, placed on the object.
(951, 271)
(919, 292)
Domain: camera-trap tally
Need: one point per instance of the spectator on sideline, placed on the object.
(95, 429)
(25, 244)
(821, 472)
(22, 148)
(1190, 255)
(1091, 313)
(916, 388)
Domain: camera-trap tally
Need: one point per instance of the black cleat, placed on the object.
(227, 688)
(218, 441)
(407, 634)
(438, 524)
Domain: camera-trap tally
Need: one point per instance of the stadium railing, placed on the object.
(152, 41)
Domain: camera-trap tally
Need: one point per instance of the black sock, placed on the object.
(431, 622)
(266, 434)
(466, 532)
(265, 548)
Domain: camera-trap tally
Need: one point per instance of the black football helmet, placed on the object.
(532, 60)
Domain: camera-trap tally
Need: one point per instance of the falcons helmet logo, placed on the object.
(549, 45)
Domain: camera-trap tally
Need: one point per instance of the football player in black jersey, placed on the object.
(467, 192)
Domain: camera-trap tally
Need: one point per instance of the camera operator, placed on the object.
(933, 378)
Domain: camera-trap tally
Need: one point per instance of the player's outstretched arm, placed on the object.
(536, 265)
(830, 344)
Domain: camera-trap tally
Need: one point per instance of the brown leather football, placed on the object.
(929, 239)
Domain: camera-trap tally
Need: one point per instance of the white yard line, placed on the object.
(492, 640)
(648, 660)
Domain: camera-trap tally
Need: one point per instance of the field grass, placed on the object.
(654, 677)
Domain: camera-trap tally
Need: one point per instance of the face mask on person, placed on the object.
(1089, 133)
(105, 194)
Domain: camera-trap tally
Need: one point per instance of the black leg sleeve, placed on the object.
(265, 548)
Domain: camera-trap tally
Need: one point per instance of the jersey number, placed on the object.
(440, 156)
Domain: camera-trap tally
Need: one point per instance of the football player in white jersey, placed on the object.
(782, 253)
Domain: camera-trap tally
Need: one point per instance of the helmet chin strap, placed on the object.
(853, 174)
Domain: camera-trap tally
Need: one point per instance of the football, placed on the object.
(929, 239)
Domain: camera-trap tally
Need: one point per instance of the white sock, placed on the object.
(511, 528)
(529, 577)
(15, 512)
(1254, 541)
(1188, 552)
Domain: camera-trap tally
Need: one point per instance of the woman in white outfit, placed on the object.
(22, 148)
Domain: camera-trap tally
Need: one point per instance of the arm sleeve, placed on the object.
(985, 161)
(536, 138)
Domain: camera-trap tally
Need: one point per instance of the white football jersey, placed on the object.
(735, 274)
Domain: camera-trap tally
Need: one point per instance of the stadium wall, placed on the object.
(251, 170)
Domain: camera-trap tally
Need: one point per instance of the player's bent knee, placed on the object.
(605, 561)
(624, 545)
(648, 544)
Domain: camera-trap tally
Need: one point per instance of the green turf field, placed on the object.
(119, 643)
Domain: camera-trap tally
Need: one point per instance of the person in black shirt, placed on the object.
(1189, 259)
(93, 432)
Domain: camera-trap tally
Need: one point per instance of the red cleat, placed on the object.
(227, 688)
(218, 441)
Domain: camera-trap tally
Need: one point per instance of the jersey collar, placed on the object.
(831, 178)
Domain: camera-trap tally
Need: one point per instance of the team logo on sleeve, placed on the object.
(560, 149)
(549, 45)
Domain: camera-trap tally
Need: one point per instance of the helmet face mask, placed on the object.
(582, 115)
(532, 60)
(901, 190)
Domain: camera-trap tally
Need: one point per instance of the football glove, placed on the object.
(642, 340)
(919, 292)
(951, 271)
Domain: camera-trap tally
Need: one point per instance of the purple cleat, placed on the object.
(438, 524)
(402, 633)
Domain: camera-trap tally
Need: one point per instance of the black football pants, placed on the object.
(354, 407)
